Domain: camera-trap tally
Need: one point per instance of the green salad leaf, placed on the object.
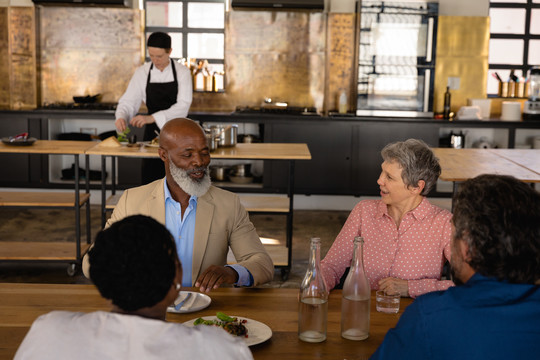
(123, 136)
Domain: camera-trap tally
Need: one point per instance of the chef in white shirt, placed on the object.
(165, 86)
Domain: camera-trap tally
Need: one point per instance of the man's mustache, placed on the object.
(200, 169)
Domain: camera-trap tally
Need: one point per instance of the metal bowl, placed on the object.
(241, 179)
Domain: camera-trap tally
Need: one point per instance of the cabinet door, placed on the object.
(371, 137)
(328, 171)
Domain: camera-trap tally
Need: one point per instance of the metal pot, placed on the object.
(226, 134)
(211, 139)
(242, 170)
(218, 173)
(457, 141)
(247, 138)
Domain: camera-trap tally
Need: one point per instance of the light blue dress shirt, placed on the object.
(183, 232)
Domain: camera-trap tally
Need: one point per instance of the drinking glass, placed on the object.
(387, 303)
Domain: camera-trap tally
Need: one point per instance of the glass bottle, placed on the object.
(342, 109)
(198, 77)
(207, 74)
(355, 303)
(313, 307)
(447, 100)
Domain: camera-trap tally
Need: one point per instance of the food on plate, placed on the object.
(155, 141)
(232, 325)
(20, 137)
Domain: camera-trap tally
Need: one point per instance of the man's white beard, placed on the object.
(189, 185)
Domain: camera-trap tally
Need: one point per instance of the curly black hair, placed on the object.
(499, 218)
(133, 262)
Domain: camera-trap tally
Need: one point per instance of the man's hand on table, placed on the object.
(214, 276)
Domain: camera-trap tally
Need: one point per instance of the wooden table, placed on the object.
(49, 251)
(21, 304)
(527, 158)
(251, 151)
(459, 165)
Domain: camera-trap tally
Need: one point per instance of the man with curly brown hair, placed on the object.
(494, 312)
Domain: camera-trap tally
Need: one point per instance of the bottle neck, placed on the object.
(315, 255)
(358, 254)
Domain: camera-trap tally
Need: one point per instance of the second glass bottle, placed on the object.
(355, 303)
(313, 307)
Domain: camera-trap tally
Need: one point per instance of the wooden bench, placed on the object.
(47, 251)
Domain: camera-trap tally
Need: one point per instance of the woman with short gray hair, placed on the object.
(417, 162)
(406, 239)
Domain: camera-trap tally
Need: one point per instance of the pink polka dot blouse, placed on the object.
(416, 251)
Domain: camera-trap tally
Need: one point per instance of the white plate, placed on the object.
(198, 301)
(257, 331)
(149, 144)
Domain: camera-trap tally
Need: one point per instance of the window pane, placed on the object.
(164, 14)
(205, 46)
(535, 21)
(206, 15)
(507, 21)
(534, 52)
(503, 51)
(176, 44)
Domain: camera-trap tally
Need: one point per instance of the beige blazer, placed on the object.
(220, 222)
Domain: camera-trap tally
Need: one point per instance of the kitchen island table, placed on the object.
(21, 304)
(275, 204)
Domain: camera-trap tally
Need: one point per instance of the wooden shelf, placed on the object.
(31, 250)
(253, 203)
(111, 202)
(41, 199)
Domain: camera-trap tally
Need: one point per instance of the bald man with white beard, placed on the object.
(203, 219)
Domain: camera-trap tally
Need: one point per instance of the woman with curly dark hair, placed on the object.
(134, 264)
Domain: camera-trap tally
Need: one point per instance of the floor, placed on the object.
(58, 225)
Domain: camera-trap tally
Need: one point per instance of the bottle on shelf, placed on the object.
(356, 297)
(207, 74)
(198, 77)
(447, 100)
(342, 108)
(313, 307)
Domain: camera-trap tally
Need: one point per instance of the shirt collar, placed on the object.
(419, 212)
(192, 198)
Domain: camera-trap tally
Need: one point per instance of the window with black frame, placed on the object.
(197, 30)
(514, 46)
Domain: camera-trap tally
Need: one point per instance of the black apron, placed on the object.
(159, 96)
